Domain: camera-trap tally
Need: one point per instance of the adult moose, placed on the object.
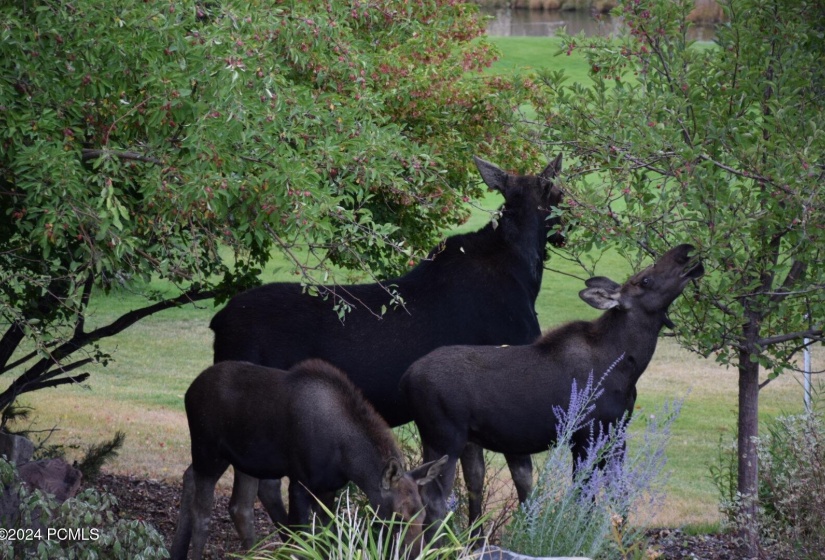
(475, 288)
(309, 423)
(502, 398)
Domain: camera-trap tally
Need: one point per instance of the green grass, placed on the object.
(141, 392)
(525, 55)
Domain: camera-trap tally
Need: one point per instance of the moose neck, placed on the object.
(634, 334)
(365, 464)
(525, 236)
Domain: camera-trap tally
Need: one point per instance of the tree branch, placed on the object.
(40, 370)
(132, 317)
(745, 174)
(88, 153)
(9, 343)
(798, 269)
(84, 304)
(66, 369)
(55, 383)
(814, 334)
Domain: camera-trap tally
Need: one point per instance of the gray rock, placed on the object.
(9, 507)
(17, 449)
(52, 476)
(497, 553)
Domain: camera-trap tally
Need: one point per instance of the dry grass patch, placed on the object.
(708, 413)
(157, 440)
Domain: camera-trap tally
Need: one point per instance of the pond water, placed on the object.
(544, 23)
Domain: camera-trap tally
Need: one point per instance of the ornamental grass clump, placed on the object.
(355, 532)
(589, 513)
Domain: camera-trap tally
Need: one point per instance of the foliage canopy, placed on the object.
(138, 140)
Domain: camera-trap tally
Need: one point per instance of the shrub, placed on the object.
(83, 527)
(792, 482)
(588, 513)
(791, 513)
(99, 454)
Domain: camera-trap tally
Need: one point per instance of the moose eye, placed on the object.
(645, 282)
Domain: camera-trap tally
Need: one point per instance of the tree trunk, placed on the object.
(748, 471)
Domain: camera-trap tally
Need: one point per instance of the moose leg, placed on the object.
(521, 469)
(183, 532)
(300, 504)
(472, 465)
(241, 507)
(269, 492)
(204, 497)
(324, 507)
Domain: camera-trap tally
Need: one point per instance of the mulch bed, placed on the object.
(157, 503)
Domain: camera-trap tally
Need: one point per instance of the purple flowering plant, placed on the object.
(621, 475)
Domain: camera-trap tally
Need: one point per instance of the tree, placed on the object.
(139, 141)
(721, 146)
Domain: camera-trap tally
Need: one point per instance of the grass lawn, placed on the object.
(523, 55)
(142, 391)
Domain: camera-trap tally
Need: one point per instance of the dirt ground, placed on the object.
(157, 503)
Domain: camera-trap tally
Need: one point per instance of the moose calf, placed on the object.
(502, 398)
(309, 423)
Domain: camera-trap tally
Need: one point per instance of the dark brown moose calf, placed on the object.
(502, 398)
(310, 424)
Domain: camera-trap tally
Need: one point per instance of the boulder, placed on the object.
(17, 449)
(53, 476)
(497, 553)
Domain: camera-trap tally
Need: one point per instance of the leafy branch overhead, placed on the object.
(717, 145)
(190, 142)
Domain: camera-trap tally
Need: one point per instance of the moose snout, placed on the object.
(695, 270)
(684, 256)
(693, 267)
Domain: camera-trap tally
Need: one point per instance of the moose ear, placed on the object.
(552, 170)
(392, 472)
(601, 293)
(428, 472)
(599, 298)
(495, 177)
(602, 282)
